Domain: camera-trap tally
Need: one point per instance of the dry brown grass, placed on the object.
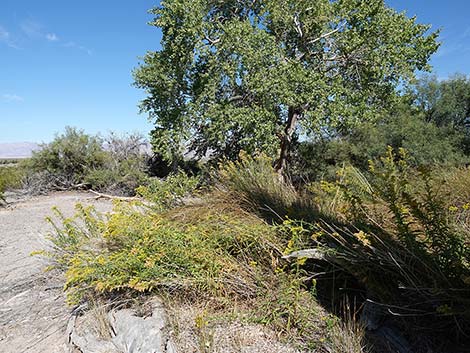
(97, 320)
(347, 337)
(197, 327)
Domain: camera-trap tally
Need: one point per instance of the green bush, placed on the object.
(115, 164)
(120, 178)
(124, 167)
(212, 249)
(69, 157)
(426, 143)
(170, 192)
(10, 178)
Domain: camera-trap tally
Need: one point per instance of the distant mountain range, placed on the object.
(17, 149)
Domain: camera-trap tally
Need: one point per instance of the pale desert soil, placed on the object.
(33, 313)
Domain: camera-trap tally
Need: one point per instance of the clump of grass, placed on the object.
(290, 308)
(260, 189)
(98, 319)
(347, 337)
(454, 186)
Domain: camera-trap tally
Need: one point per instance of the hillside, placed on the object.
(17, 149)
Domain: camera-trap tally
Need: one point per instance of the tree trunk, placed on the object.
(286, 140)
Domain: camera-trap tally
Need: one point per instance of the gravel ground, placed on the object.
(33, 313)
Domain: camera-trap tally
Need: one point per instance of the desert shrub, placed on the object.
(9, 161)
(212, 249)
(171, 191)
(114, 164)
(10, 178)
(43, 182)
(69, 157)
(124, 167)
(119, 181)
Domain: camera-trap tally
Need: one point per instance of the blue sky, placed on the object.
(452, 18)
(69, 63)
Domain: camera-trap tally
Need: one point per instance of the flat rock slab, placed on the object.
(33, 313)
(127, 332)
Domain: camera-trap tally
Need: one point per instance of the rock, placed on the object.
(130, 333)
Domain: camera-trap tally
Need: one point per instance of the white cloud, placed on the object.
(6, 38)
(12, 97)
(32, 29)
(79, 47)
(52, 37)
(4, 35)
(35, 30)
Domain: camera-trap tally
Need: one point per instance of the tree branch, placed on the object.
(298, 25)
(99, 195)
(212, 41)
(340, 26)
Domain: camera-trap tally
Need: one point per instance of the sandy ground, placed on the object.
(33, 313)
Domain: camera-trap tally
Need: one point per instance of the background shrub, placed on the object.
(10, 178)
(69, 157)
(124, 166)
(169, 192)
(114, 164)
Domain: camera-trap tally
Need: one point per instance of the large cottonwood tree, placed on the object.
(250, 74)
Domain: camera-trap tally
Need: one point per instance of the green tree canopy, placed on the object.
(250, 74)
(404, 125)
(447, 102)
